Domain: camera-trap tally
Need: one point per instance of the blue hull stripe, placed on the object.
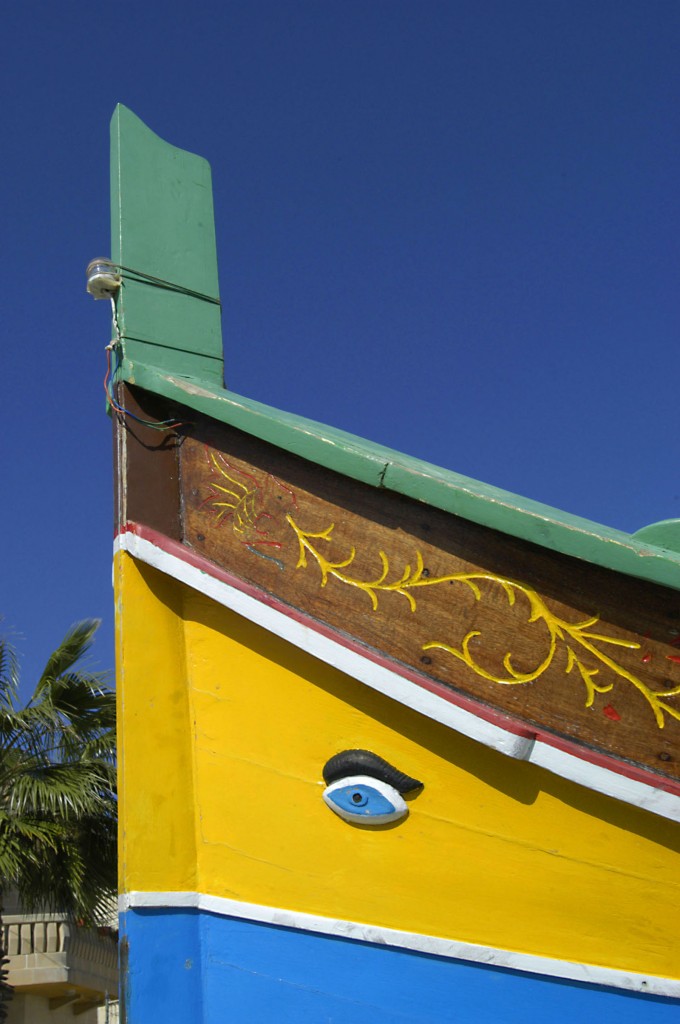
(194, 966)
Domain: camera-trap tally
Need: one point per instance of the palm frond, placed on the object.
(25, 845)
(78, 879)
(70, 714)
(58, 804)
(62, 791)
(9, 673)
(75, 644)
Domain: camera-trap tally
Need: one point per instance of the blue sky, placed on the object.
(449, 227)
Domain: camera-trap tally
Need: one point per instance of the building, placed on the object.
(59, 971)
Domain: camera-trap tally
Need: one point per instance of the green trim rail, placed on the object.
(459, 495)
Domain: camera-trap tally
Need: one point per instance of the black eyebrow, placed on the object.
(365, 762)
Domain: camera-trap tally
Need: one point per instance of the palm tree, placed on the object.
(58, 807)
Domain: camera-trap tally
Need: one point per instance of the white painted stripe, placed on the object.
(591, 974)
(298, 633)
(379, 677)
(601, 779)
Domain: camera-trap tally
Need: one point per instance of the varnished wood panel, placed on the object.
(146, 465)
(584, 652)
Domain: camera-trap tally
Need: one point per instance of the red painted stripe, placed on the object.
(505, 722)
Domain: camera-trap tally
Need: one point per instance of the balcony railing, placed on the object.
(52, 956)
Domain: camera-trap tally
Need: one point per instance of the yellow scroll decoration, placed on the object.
(575, 637)
(235, 500)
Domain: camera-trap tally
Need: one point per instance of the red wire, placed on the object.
(160, 425)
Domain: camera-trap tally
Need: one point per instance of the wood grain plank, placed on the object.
(581, 651)
(146, 464)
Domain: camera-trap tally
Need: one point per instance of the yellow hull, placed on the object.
(224, 732)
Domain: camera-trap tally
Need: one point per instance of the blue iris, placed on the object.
(361, 799)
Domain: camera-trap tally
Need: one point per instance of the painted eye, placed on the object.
(364, 799)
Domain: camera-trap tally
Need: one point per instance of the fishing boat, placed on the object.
(395, 745)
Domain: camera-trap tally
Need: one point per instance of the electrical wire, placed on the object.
(160, 282)
(115, 346)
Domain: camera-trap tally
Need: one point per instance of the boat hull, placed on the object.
(227, 843)
(390, 739)
(218, 968)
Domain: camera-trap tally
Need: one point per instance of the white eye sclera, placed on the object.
(366, 800)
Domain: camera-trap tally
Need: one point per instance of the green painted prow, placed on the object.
(163, 225)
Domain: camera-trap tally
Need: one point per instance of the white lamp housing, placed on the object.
(103, 279)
